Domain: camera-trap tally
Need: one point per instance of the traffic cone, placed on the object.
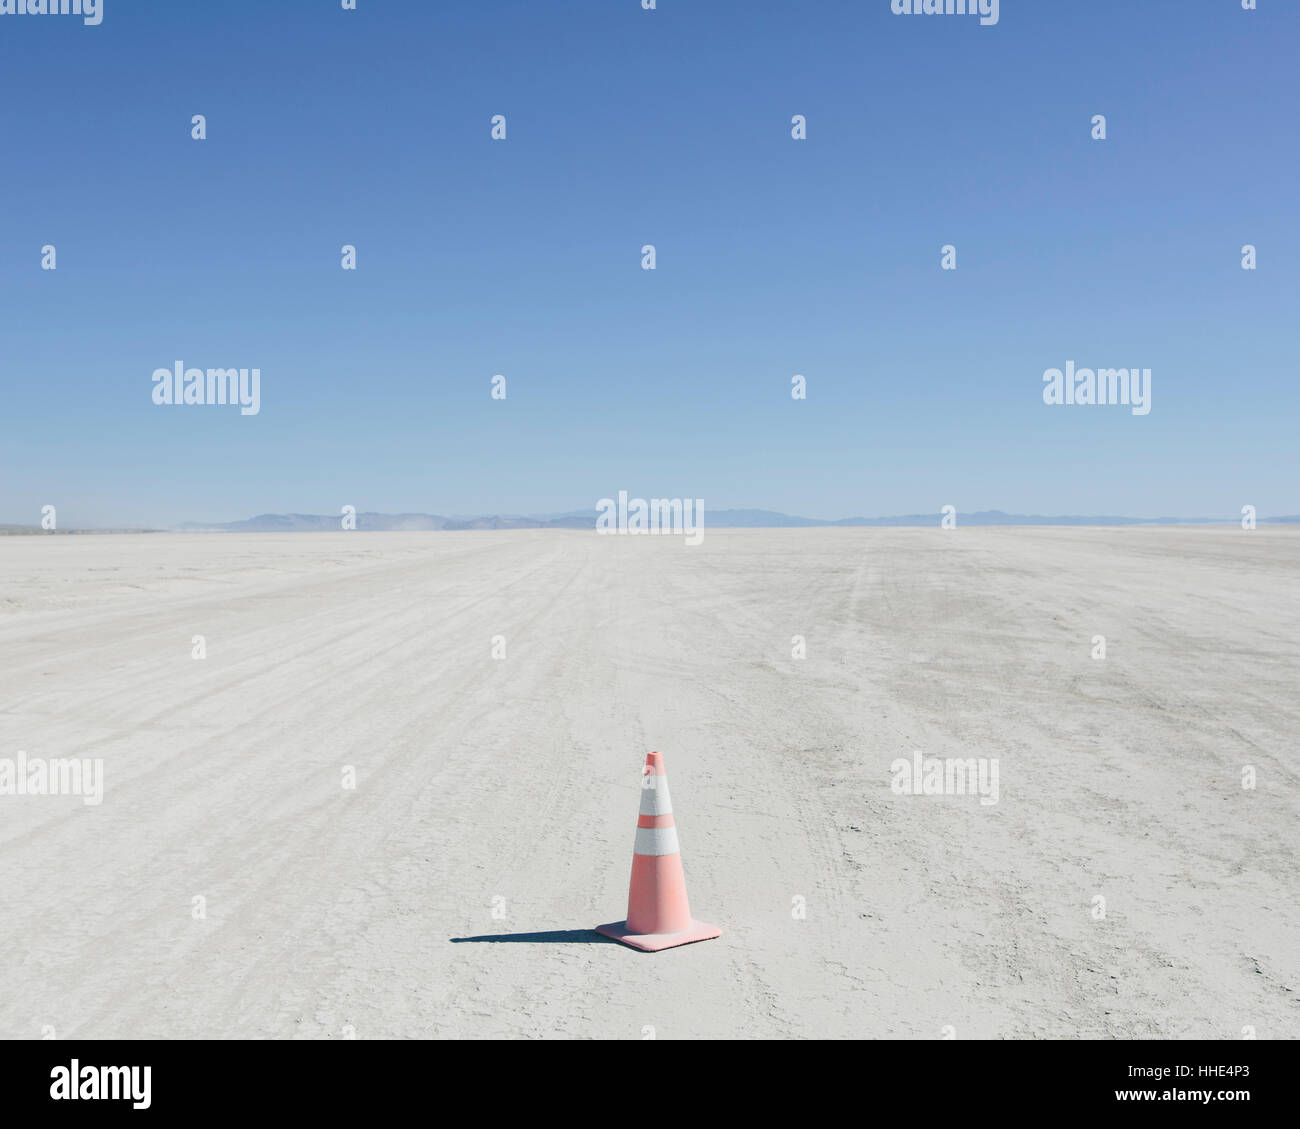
(658, 915)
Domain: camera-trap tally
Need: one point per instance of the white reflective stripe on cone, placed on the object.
(654, 796)
(656, 841)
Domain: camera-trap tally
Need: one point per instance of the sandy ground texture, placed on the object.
(452, 891)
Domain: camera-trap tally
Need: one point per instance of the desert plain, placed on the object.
(399, 787)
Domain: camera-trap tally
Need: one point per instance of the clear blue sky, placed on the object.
(775, 257)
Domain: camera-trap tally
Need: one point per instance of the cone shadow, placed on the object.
(549, 937)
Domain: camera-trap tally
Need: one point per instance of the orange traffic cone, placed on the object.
(658, 915)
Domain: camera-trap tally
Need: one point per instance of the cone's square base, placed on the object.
(653, 942)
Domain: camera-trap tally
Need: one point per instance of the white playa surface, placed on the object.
(513, 783)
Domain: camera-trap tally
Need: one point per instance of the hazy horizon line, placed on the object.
(734, 517)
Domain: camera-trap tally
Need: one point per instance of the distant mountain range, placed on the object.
(586, 519)
(715, 519)
(373, 522)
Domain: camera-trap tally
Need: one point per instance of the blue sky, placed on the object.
(775, 257)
